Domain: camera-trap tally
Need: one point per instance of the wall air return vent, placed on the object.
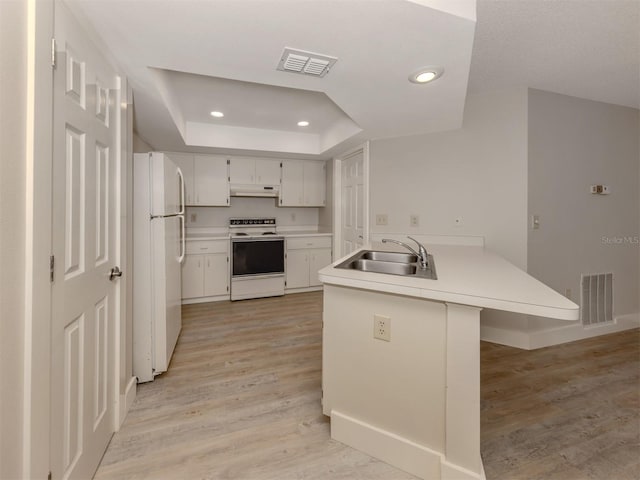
(305, 63)
(596, 304)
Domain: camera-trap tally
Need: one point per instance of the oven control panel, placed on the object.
(251, 222)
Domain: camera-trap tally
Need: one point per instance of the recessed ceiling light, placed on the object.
(426, 74)
(303, 123)
(217, 114)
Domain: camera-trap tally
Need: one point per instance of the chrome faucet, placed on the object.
(422, 254)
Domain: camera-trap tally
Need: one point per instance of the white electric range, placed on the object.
(257, 258)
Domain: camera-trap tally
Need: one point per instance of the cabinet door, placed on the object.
(297, 267)
(318, 259)
(292, 189)
(267, 171)
(242, 170)
(192, 276)
(314, 184)
(216, 275)
(211, 180)
(184, 161)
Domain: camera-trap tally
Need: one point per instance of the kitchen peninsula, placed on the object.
(413, 400)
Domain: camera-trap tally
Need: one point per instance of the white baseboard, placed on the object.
(302, 290)
(217, 298)
(126, 400)
(505, 336)
(530, 340)
(571, 333)
(397, 451)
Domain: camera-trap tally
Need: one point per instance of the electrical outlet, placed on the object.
(382, 328)
(194, 217)
(535, 222)
(381, 219)
(414, 220)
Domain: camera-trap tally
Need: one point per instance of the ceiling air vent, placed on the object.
(305, 63)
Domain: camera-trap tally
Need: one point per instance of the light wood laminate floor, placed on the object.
(242, 401)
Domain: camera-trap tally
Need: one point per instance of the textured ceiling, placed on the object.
(584, 48)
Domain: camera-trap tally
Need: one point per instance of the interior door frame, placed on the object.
(36, 387)
(337, 196)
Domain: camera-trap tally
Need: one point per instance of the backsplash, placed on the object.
(252, 207)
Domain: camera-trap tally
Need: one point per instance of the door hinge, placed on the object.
(280, 164)
(52, 265)
(53, 53)
(227, 288)
(228, 161)
(49, 476)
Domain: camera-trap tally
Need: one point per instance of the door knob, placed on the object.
(115, 272)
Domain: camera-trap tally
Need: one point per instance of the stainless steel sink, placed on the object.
(390, 256)
(390, 263)
(392, 268)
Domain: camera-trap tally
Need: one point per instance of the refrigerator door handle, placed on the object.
(183, 246)
(181, 210)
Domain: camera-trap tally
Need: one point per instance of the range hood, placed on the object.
(254, 190)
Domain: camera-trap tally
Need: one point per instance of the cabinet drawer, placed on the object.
(297, 243)
(207, 246)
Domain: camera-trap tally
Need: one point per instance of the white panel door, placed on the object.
(85, 157)
(352, 203)
(211, 179)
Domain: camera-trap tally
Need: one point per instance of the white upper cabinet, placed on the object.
(254, 171)
(206, 178)
(292, 189)
(303, 183)
(211, 180)
(314, 183)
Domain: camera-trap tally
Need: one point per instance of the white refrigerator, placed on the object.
(158, 251)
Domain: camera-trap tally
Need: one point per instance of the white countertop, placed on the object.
(466, 275)
(303, 233)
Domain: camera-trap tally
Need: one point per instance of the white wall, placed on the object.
(139, 145)
(477, 174)
(252, 207)
(574, 143)
(13, 107)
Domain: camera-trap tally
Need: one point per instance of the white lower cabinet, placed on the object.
(305, 256)
(205, 271)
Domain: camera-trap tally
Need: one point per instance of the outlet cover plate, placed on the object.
(382, 328)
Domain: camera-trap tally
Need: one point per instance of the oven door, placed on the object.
(257, 256)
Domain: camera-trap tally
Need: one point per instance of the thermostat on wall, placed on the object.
(600, 189)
